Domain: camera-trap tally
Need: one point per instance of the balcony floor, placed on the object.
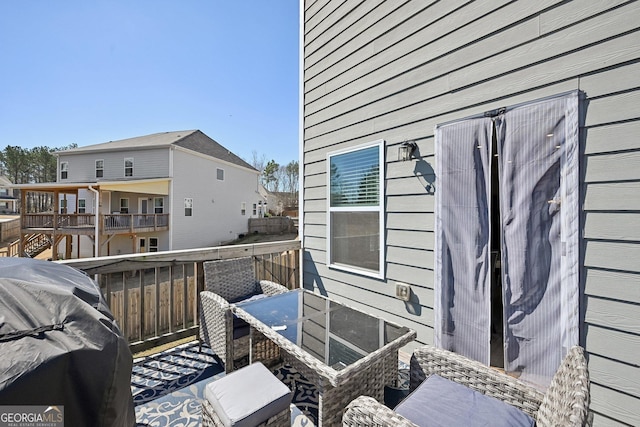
(168, 387)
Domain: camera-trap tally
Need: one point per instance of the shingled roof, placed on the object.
(194, 140)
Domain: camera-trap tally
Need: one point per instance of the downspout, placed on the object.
(96, 249)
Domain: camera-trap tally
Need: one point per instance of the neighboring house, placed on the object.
(262, 208)
(166, 191)
(515, 222)
(281, 203)
(8, 201)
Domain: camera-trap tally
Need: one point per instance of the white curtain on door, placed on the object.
(538, 186)
(463, 175)
(538, 163)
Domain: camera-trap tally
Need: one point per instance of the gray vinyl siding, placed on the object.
(394, 70)
(149, 163)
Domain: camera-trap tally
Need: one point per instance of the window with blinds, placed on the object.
(355, 209)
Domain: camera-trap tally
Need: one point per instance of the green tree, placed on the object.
(270, 176)
(290, 180)
(44, 164)
(38, 165)
(15, 164)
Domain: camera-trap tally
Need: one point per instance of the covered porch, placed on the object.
(56, 215)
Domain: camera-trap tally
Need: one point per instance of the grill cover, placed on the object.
(60, 345)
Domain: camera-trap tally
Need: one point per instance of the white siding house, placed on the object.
(378, 74)
(8, 201)
(166, 191)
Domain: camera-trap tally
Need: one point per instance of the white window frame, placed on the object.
(82, 206)
(64, 170)
(380, 208)
(128, 159)
(188, 206)
(158, 208)
(150, 246)
(100, 168)
(124, 205)
(220, 174)
(243, 208)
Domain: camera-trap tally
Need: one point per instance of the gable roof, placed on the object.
(199, 142)
(194, 140)
(5, 182)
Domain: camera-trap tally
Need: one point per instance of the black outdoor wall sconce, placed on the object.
(406, 150)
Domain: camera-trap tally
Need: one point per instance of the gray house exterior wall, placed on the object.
(147, 163)
(189, 162)
(394, 70)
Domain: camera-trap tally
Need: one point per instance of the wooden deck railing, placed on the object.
(154, 296)
(114, 223)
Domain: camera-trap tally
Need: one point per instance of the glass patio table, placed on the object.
(344, 352)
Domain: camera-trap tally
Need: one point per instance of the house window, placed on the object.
(63, 206)
(124, 206)
(220, 174)
(188, 206)
(128, 166)
(243, 208)
(356, 209)
(82, 206)
(153, 244)
(158, 205)
(255, 208)
(506, 236)
(99, 168)
(64, 170)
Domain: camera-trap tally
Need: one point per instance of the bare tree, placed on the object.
(257, 161)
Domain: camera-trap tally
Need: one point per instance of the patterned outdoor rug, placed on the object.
(163, 373)
(168, 388)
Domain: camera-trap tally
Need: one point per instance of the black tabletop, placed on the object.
(334, 333)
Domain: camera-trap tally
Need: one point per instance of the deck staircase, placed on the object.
(35, 244)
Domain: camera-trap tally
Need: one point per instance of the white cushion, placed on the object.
(248, 396)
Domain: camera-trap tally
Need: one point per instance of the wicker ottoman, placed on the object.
(250, 396)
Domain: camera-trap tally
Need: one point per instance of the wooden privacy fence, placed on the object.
(152, 309)
(154, 296)
(10, 230)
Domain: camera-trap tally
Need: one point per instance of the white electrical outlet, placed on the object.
(403, 291)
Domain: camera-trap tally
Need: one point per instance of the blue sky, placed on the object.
(86, 72)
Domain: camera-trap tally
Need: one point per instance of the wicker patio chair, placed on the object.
(227, 282)
(565, 403)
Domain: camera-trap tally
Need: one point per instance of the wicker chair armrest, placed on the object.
(365, 411)
(271, 288)
(215, 321)
(215, 300)
(428, 360)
